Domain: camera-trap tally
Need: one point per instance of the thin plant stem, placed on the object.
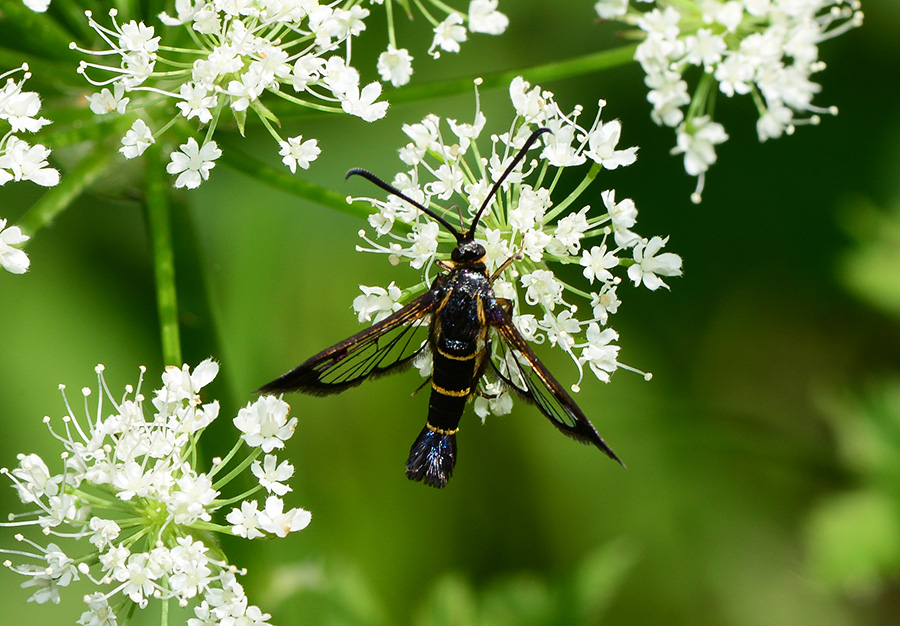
(260, 171)
(555, 70)
(59, 198)
(159, 220)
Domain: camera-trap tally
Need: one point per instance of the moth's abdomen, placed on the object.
(432, 457)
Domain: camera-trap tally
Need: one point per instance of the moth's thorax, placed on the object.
(468, 252)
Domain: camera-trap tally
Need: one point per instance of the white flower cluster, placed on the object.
(395, 64)
(19, 160)
(524, 229)
(20, 109)
(130, 491)
(229, 53)
(766, 48)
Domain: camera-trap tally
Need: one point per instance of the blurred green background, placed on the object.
(764, 457)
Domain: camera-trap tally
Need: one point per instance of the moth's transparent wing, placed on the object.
(525, 374)
(382, 348)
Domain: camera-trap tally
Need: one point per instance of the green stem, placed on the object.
(258, 170)
(160, 224)
(71, 185)
(555, 70)
(240, 467)
(238, 498)
(584, 184)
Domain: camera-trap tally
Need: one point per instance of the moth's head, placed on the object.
(468, 251)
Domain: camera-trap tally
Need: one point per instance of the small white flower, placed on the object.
(611, 9)
(561, 329)
(138, 37)
(192, 163)
(599, 353)
(649, 265)
(245, 520)
(16, 261)
(105, 531)
(697, 142)
(38, 6)
(541, 287)
(496, 248)
(98, 613)
(376, 303)
(424, 243)
(296, 152)
(265, 423)
(485, 18)
(529, 103)
(448, 35)
(20, 109)
(597, 263)
(570, 230)
(275, 520)
(271, 474)
(136, 140)
(197, 102)
(24, 162)
(363, 103)
(108, 101)
(602, 146)
(605, 303)
(395, 66)
(192, 494)
(623, 216)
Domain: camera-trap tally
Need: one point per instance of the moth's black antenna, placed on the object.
(528, 143)
(394, 191)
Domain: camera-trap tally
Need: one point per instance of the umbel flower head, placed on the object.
(530, 231)
(768, 49)
(450, 30)
(131, 511)
(216, 57)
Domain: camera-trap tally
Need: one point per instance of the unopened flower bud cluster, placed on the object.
(527, 222)
(768, 49)
(131, 512)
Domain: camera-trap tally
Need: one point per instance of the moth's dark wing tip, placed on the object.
(594, 438)
(608, 452)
